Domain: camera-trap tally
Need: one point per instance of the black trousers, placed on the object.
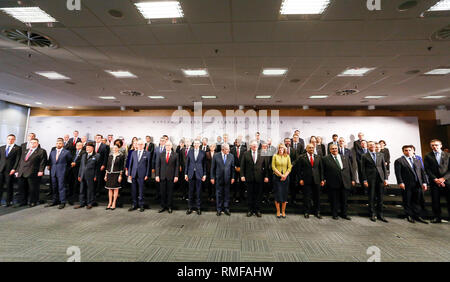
(412, 200)
(195, 186)
(100, 183)
(8, 180)
(254, 194)
(313, 190)
(293, 187)
(87, 192)
(436, 194)
(28, 190)
(73, 185)
(166, 190)
(237, 188)
(338, 201)
(376, 194)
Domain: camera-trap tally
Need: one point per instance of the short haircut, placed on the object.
(119, 141)
(34, 139)
(11, 135)
(436, 140)
(59, 139)
(382, 141)
(335, 135)
(90, 144)
(168, 143)
(225, 146)
(101, 136)
(407, 146)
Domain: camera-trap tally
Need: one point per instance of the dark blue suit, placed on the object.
(58, 173)
(139, 169)
(195, 170)
(89, 170)
(222, 173)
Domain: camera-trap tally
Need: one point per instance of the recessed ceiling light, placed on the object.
(440, 71)
(274, 72)
(263, 97)
(156, 97)
(121, 74)
(52, 75)
(356, 71)
(29, 14)
(434, 97)
(303, 7)
(209, 97)
(318, 97)
(195, 72)
(38, 103)
(107, 97)
(160, 9)
(443, 5)
(374, 97)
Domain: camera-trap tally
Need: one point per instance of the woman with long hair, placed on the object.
(281, 167)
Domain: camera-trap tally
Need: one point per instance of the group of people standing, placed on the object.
(226, 171)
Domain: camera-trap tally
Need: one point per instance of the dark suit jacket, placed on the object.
(140, 168)
(89, 166)
(35, 163)
(207, 148)
(405, 174)
(347, 153)
(251, 171)
(301, 141)
(329, 144)
(197, 167)
(10, 162)
(60, 166)
(359, 154)
(437, 171)
(119, 163)
(167, 171)
(336, 178)
(233, 151)
(357, 145)
(24, 146)
(370, 171)
(77, 160)
(149, 147)
(103, 152)
(209, 159)
(300, 148)
(156, 154)
(70, 145)
(309, 173)
(220, 172)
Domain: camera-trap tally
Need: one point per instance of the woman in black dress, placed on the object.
(387, 155)
(113, 176)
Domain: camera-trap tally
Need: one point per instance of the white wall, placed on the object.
(396, 131)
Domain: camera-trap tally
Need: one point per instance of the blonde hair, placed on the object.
(281, 145)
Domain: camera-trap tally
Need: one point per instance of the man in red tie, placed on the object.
(166, 172)
(310, 174)
(73, 141)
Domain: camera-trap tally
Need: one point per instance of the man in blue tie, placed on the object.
(138, 173)
(359, 153)
(58, 163)
(222, 176)
(72, 175)
(195, 174)
(437, 166)
(374, 177)
(9, 160)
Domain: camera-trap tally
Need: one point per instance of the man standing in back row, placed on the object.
(9, 160)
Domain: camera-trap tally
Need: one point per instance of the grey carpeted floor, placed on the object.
(44, 234)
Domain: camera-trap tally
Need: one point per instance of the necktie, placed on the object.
(160, 149)
(414, 168)
(195, 155)
(96, 147)
(185, 152)
(237, 151)
(224, 159)
(374, 157)
(311, 160)
(438, 157)
(167, 157)
(295, 146)
(139, 155)
(74, 141)
(337, 161)
(7, 150)
(57, 154)
(28, 155)
(288, 150)
(76, 156)
(254, 157)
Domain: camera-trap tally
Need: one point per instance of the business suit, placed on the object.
(140, 168)
(293, 184)
(72, 176)
(331, 143)
(27, 173)
(88, 172)
(71, 144)
(346, 152)
(210, 187)
(254, 173)
(267, 186)
(301, 142)
(438, 170)
(338, 181)
(375, 174)
(413, 180)
(238, 188)
(103, 152)
(222, 173)
(167, 170)
(312, 176)
(8, 162)
(387, 159)
(59, 168)
(195, 171)
(183, 183)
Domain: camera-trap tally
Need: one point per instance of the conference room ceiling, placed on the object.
(234, 40)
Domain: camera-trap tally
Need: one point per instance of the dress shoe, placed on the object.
(436, 220)
(71, 203)
(249, 214)
(189, 211)
(112, 209)
(141, 209)
(421, 220)
(410, 219)
(335, 217)
(78, 206)
(218, 213)
(346, 217)
(373, 218)
(227, 212)
(18, 205)
(169, 210)
(61, 206)
(162, 210)
(278, 216)
(283, 217)
(132, 209)
(258, 214)
(383, 219)
(50, 205)
(199, 212)
(318, 215)
(107, 208)
(306, 215)
(89, 207)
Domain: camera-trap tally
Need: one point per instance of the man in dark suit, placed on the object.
(195, 174)
(58, 163)
(209, 158)
(297, 146)
(222, 176)
(167, 169)
(339, 179)
(183, 157)
(72, 175)
(293, 154)
(140, 167)
(87, 175)
(357, 144)
(9, 160)
(149, 146)
(412, 180)
(25, 146)
(335, 142)
(374, 177)
(204, 147)
(266, 154)
(310, 174)
(300, 140)
(160, 149)
(103, 152)
(437, 166)
(359, 153)
(343, 151)
(73, 141)
(29, 172)
(238, 189)
(254, 172)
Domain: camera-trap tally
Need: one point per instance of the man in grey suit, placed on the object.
(222, 176)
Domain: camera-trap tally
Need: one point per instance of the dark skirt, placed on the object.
(112, 181)
(280, 189)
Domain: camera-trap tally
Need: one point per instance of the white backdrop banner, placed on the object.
(396, 131)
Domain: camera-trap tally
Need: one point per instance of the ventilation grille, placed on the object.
(29, 38)
(347, 92)
(131, 93)
(442, 34)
